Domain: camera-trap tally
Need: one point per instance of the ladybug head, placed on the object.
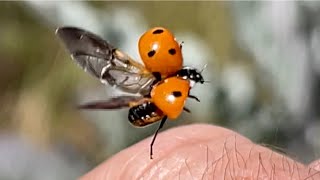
(191, 74)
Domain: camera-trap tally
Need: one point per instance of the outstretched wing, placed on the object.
(90, 51)
(113, 103)
(99, 58)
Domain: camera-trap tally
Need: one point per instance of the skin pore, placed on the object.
(202, 152)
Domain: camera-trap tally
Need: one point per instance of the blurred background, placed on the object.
(263, 68)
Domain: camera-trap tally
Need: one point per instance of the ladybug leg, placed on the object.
(186, 109)
(155, 135)
(193, 97)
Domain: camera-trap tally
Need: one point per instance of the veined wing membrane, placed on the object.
(90, 51)
(113, 103)
(101, 59)
(128, 81)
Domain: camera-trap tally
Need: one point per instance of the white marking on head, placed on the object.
(191, 83)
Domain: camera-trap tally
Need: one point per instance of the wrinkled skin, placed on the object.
(202, 152)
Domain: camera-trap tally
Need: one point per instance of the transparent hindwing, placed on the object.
(99, 58)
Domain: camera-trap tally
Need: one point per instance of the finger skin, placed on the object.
(200, 152)
(315, 165)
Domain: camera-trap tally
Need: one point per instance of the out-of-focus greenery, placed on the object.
(251, 89)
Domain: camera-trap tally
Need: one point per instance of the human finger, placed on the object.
(200, 152)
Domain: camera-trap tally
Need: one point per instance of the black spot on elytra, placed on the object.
(157, 31)
(176, 93)
(172, 51)
(151, 53)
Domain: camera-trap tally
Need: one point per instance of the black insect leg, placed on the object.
(193, 97)
(186, 109)
(155, 135)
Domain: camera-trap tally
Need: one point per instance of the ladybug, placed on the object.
(167, 100)
(152, 99)
(160, 52)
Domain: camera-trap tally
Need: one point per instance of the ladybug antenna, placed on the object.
(203, 68)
